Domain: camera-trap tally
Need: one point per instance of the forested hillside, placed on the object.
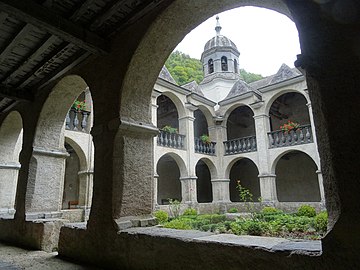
(185, 69)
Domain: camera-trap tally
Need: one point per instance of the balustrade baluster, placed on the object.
(76, 120)
(253, 143)
(295, 136)
(283, 138)
(231, 147)
(235, 146)
(84, 121)
(67, 120)
(181, 139)
(248, 144)
(271, 140)
(277, 138)
(308, 135)
(301, 135)
(289, 137)
(226, 146)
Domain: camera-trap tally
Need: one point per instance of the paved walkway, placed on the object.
(14, 258)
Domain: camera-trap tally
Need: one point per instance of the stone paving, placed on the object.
(14, 258)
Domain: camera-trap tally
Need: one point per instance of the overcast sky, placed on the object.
(265, 38)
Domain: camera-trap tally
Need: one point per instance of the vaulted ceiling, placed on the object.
(42, 39)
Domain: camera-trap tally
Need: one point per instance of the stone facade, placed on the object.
(121, 84)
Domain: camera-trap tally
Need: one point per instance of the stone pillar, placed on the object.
(186, 127)
(268, 188)
(188, 189)
(8, 181)
(262, 127)
(133, 180)
(220, 188)
(321, 186)
(85, 188)
(46, 181)
(155, 190)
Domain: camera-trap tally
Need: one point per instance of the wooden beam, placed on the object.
(14, 42)
(82, 10)
(107, 14)
(68, 64)
(53, 23)
(16, 94)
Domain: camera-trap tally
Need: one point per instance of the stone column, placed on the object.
(133, 180)
(188, 189)
(262, 127)
(85, 188)
(155, 190)
(220, 189)
(8, 181)
(321, 186)
(46, 182)
(268, 188)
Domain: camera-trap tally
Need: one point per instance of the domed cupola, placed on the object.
(220, 55)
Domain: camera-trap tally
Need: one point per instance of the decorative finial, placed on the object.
(218, 27)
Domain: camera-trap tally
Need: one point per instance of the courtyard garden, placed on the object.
(305, 223)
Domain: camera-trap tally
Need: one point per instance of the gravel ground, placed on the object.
(14, 258)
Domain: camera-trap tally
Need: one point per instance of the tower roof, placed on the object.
(219, 40)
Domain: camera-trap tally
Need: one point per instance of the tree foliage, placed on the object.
(185, 69)
(249, 77)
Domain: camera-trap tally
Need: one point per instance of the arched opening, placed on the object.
(240, 123)
(289, 107)
(203, 184)
(224, 63)
(45, 188)
(169, 186)
(200, 124)
(71, 179)
(11, 134)
(245, 171)
(210, 66)
(296, 178)
(236, 69)
(167, 114)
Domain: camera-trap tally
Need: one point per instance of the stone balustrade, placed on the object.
(172, 140)
(77, 120)
(280, 138)
(240, 145)
(204, 148)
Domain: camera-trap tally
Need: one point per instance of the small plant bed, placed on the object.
(269, 222)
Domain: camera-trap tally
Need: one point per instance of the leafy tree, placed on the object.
(185, 69)
(249, 77)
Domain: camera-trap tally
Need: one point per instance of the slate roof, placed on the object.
(165, 74)
(241, 87)
(193, 87)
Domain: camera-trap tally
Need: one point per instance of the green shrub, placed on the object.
(307, 211)
(232, 210)
(180, 224)
(321, 221)
(270, 210)
(161, 216)
(190, 212)
(215, 218)
(254, 228)
(236, 228)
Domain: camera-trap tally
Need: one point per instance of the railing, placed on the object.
(204, 148)
(77, 120)
(280, 138)
(172, 140)
(240, 145)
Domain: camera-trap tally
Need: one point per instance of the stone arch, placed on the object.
(142, 74)
(284, 152)
(296, 177)
(169, 175)
(180, 106)
(205, 171)
(84, 164)
(11, 131)
(299, 97)
(240, 121)
(207, 113)
(245, 170)
(211, 166)
(53, 113)
(45, 187)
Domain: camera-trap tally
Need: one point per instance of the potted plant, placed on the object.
(79, 105)
(205, 139)
(290, 125)
(170, 129)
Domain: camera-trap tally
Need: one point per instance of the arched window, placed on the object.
(224, 64)
(235, 66)
(211, 66)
